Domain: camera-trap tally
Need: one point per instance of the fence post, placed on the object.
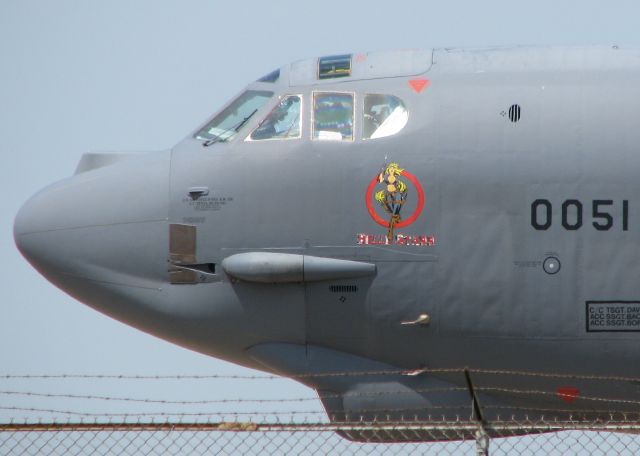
(482, 439)
(482, 442)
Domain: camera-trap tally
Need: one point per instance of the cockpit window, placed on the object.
(225, 125)
(271, 77)
(383, 115)
(283, 122)
(334, 66)
(333, 116)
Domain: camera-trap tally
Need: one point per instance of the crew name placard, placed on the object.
(612, 316)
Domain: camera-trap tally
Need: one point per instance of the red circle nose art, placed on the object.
(409, 220)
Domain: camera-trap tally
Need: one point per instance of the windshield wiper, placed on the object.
(235, 128)
(244, 121)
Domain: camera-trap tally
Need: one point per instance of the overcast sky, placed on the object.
(123, 75)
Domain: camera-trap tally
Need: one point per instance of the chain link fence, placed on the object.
(194, 415)
(235, 438)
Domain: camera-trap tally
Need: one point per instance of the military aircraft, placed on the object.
(370, 224)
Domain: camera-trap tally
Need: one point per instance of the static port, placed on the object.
(551, 265)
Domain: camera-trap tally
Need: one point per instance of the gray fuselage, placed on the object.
(521, 245)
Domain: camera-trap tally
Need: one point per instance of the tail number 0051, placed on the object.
(573, 211)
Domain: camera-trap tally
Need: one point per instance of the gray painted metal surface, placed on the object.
(267, 267)
(517, 233)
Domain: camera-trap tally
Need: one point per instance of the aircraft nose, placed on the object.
(91, 225)
(29, 220)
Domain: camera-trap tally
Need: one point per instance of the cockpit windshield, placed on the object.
(283, 122)
(227, 123)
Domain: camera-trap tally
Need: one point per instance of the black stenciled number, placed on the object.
(599, 214)
(565, 215)
(603, 219)
(534, 214)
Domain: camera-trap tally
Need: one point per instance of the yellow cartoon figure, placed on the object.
(393, 196)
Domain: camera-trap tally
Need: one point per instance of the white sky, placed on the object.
(88, 75)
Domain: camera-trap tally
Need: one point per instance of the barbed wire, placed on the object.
(487, 389)
(408, 412)
(158, 401)
(582, 410)
(138, 377)
(161, 414)
(405, 372)
(231, 401)
(299, 429)
(541, 425)
(215, 422)
(257, 413)
(556, 394)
